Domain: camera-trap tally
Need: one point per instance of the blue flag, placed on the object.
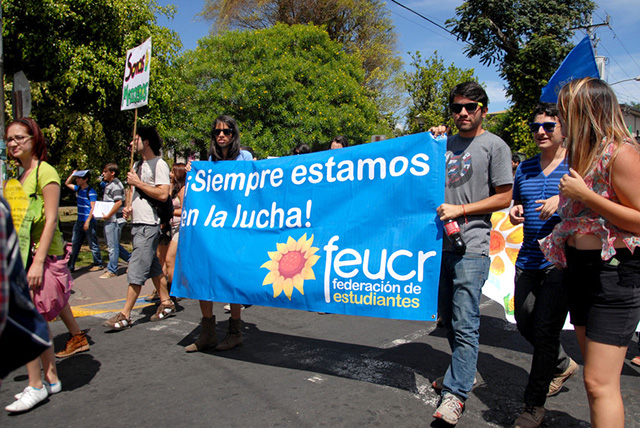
(350, 231)
(580, 62)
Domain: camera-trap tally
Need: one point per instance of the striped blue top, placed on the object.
(85, 197)
(530, 185)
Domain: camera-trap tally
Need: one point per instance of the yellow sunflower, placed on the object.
(290, 265)
(505, 242)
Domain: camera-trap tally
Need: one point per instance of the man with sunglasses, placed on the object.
(479, 182)
(540, 302)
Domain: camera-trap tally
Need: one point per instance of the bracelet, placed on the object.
(464, 212)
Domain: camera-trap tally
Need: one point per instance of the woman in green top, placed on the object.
(26, 144)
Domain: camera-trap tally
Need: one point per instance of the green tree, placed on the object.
(363, 27)
(527, 40)
(73, 53)
(428, 84)
(284, 85)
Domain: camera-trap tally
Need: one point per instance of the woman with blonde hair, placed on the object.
(596, 241)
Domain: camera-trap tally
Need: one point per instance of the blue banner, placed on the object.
(580, 62)
(351, 231)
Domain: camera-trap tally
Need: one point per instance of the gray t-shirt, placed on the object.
(153, 172)
(114, 191)
(475, 166)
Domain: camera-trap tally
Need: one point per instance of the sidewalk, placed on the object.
(93, 296)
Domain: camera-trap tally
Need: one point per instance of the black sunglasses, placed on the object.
(547, 126)
(225, 131)
(469, 107)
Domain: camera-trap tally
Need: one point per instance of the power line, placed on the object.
(425, 18)
(426, 28)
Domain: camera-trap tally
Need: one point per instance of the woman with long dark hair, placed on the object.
(225, 145)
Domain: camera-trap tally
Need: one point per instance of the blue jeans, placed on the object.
(460, 288)
(540, 310)
(78, 238)
(112, 232)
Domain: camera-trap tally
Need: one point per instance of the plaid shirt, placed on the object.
(11, 268)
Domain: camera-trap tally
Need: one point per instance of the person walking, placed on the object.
(479, 181)
(540, 301)
(225, 145)
(113, 220)
(40, 181)
(86, 224)
(596, 242)
(149, 179)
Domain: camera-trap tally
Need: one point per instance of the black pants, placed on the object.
(541, 310)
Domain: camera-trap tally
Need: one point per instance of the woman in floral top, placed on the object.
(596, 240)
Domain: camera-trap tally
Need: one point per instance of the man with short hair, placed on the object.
(479, 181)
(540, 301)
(113, 220)
(150, 182)
(85, 224)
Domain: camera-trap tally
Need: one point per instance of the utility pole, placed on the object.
(600, 60)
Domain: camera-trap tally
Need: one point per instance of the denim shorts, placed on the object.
(144, 263)
(604, 295)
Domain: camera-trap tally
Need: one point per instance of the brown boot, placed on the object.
(234, 336)
(207, 338)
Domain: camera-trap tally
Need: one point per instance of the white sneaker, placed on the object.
(28, 399)
(51, 388)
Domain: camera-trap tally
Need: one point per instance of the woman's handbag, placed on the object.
(57, 282)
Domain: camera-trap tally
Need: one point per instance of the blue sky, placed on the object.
(619, 44)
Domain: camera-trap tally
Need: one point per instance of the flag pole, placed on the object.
(133, 150)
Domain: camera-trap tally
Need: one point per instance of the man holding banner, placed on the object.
(479, 182)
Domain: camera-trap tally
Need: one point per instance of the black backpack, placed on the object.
(163, 209)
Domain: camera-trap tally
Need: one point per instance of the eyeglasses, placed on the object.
(19, 139)
(225, 131)
(547, 126)
(469, 107)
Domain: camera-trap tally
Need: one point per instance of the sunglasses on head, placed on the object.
(225, 131)
(469, 107)
(547, 126)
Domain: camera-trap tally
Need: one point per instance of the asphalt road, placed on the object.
(296, 369)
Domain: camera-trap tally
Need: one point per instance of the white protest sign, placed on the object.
(135, 86)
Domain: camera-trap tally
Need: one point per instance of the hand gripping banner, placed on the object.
(351, 231)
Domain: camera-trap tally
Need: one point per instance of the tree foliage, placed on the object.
(363, 27)
(284, 85)
(527, 40)
(73, 53)
(428, 84)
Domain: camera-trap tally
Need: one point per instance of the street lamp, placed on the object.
(637, 79)
(420, 121)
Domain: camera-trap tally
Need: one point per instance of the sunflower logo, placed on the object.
(290, 265)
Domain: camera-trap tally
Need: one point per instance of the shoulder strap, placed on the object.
(35, 192)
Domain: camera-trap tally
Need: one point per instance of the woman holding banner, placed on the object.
(225, 145)
(44, 255)
(596, 241)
